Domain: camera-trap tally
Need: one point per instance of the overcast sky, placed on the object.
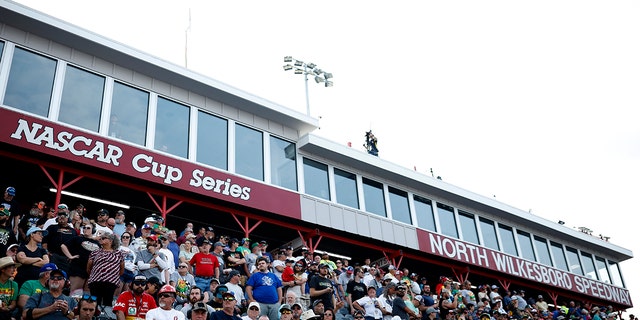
(534, 103)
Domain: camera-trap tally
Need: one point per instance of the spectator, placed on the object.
(369, 305)
(31, 256)
(86, 309)
(195, 297)
(51, 305)
(6, 232)
(120, 225)
(228, 309)
(10, 204)
(8, 288)
(400, 308)
(31, 287)
(105, 266)
(187, 251)
(77, 250)
(183, 281)
(265, 288)
(167, 296)
(253, 311)
(130, 268)
(57, 234)
(205, 265)
(151, 263)
(101, 222)
(153, 287)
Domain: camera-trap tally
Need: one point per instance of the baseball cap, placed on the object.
(218, 244)
(315, 303)
(36, 229)
(419, 298)
(284, 306)
(152, 237)
(349, 269)
(48, 267)
(103, 212)
(11, 191)
(140, 278)
(254, 304)
(63, 206)
(201, 241)
(58, 271)
(130, 223)
(199, 306)
(147, 226)
(228, 294)
(431, 310)
(494, 287)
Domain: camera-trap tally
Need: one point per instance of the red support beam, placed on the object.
(59, 184)
(245, 227)
(163, 208)
(307, 239)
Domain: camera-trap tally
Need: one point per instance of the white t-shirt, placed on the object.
(160, 314)
(275, 271)
(369, 305)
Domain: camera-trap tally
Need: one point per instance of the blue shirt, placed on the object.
(265, 287)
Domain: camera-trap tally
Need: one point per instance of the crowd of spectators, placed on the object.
(58, 263)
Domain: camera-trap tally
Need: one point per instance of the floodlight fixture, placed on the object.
(301, 67)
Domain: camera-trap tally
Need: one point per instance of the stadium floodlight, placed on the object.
(307, 69)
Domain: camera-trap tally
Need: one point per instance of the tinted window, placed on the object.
(574, 261)
(316, 179)
(544, 256)
(424, 213)
(558, 256)
(399, 202)
(374, 197)
(346, 188)
(615, 274)
(508, 241)
(489, 237)
(30, 82)
(81, 101)
(448, 225)
(129, 109)
(249, 152)
(601, 266)
(526, 246)
(212, 146)
(468, 226)
(172, 128)
(589, 266)
(283, 163)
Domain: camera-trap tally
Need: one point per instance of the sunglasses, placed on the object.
(254, 308)
(166, 295)
(86, 227)
(285, 312)
(57, 278)
(139, 283)
(126, 237)
(182, 267)
(229, 299)
(358, 317)
(88, 297)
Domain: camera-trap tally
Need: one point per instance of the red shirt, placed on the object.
(134, 307)
(287, 274)
(205, 264)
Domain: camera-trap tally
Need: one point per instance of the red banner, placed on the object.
(468, 253)
(102, 152)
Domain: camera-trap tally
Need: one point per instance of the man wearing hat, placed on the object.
(266, 288)
(285, 312)
(199, 311)
(228, 308)
(31, 287)
(195, 297)
(309, 314)
(59, 233)
(321, 288)
(10, 204)
(134, 303)
(152, 262)
(253, 311)
(205, 265)
(52, 305)
(433, 314)
(541, 305)
(233, 284)
(8, 287)
(166, 298)
(6, 232)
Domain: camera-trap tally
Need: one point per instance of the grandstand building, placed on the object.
(82, 115)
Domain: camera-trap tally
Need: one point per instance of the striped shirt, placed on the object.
(106, 266)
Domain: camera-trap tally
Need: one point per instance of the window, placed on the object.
(448, 225)
(574, 261)
(249, 152)
(283, 163)
(1, 49)
(468, 226)
(558, 256)
(544, 256)
(526, 247)
(346, 188)
(129, 109)
(589, 266)
(399, 202)
(508, 241)
(30, 82)
(489, 235)
(172, 128)
(374, 197)
(616, 277)
(81, 101)
(603, 274)
(316, 179)
(424, 213)
(212, 146)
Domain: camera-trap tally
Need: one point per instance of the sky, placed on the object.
(535, 103)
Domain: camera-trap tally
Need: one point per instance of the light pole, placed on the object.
(301, 67)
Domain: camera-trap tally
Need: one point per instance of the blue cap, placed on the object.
(36, 229)
(11, 191)
(48, 267)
